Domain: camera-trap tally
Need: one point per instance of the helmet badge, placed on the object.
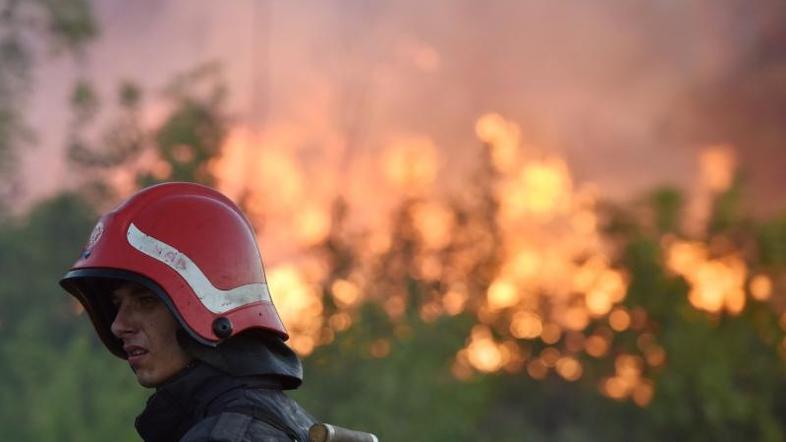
(95, 235)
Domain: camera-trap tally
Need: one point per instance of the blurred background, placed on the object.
(504, 220)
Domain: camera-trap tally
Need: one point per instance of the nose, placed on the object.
(123, 324)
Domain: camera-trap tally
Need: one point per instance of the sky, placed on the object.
(628, 93)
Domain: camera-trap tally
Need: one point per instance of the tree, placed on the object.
(63, 27)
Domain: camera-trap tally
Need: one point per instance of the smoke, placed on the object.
(627, 92)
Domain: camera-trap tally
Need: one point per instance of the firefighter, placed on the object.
(173, 282)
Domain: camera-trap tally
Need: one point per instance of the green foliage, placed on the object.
(667, 204)
(771, 240)
(182, 146)
(555, 410)
(59, 383)
(194, 130)
(728, 210)
(121, 140)
(67, 26)
(722, 374)
(408, 395)
(70, 22)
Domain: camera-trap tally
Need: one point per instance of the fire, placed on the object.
(717, 167)
(540, 188)
(434, 222)
(552, 256)
(410, 162)
(716, 284)
(717, 164)
(503, 138)
(569, 368)
(455, 300)
(526, 325)
(549, 273)
(761, 287)
(628, 381)
(619, 320)
(299, 306)
(502, 294)
(345, 292)
(483, 352)
(312, 224)
(597, 346)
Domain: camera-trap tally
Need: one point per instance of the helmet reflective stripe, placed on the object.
(214, 299)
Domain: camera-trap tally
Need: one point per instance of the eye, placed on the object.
(147, 300)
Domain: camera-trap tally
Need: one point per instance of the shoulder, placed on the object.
(250, 414)
(233, 427)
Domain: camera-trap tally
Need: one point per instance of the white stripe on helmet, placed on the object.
(214, 299)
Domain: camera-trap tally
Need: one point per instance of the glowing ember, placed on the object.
(619, 320)
(642, 393)
(615, 388)
(761, 287)
(455, 300)
(340, 321)
(345, 292)
(502, 137)
(609, 287)
(395, 306)
(597, 346)
(628, 381)
(717, 165)
(551, 333)
(716, 284)
(483, 353)
(526, 325)
(569, 368)
(575, 318)
(502, 294)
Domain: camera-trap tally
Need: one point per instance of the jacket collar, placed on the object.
(170, 411)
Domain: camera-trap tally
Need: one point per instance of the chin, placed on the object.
(147, 382)
(148, 379)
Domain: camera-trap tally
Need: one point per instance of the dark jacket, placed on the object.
(204, 403)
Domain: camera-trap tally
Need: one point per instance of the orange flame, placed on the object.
(716, 284)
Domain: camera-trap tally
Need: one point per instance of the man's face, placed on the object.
(147, 330)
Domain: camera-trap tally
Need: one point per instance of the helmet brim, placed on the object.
(92, 287)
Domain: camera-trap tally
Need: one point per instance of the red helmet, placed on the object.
(191, 246)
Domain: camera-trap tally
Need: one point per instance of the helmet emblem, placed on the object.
(95, 235)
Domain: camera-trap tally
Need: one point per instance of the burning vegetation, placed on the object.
(521, 249)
